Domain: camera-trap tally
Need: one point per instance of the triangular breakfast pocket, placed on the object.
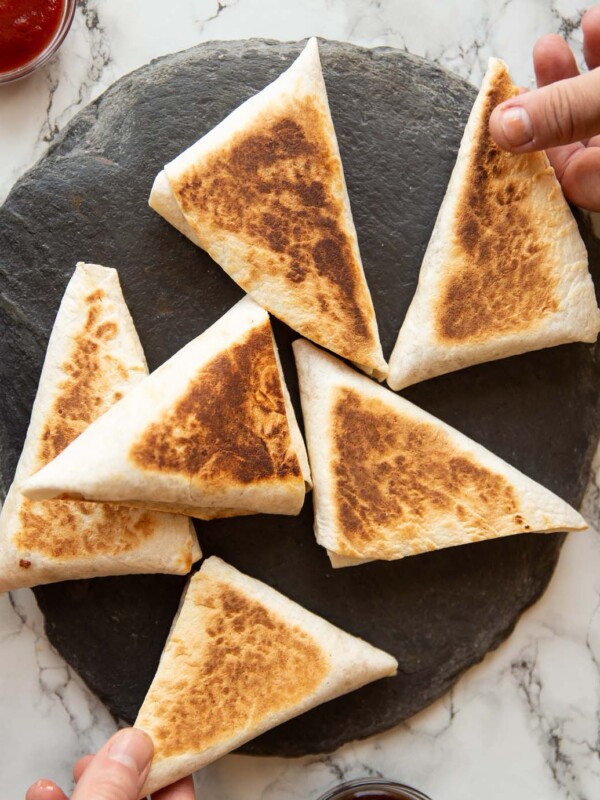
(506, 270)
(264, 194)
(210, 433)
(240, 659)
(391, 480)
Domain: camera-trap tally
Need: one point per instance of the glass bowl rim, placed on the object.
(373, 783)
(46, 54)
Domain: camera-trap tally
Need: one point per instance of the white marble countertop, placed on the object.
(524, 723)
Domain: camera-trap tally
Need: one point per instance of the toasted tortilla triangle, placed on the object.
(94, 357)
(264, 194)
(391, 480)
(240, 659)
(506, 270)
(211, 433)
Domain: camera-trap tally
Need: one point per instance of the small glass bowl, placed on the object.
(46, 54)
(390, 788)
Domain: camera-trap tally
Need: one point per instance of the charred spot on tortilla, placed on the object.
(501, 257)
(231, 423)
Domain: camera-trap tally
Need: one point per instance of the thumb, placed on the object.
(119, 769)
(560, 113)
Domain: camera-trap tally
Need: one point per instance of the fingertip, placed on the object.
(590, 25)
(119, 768)
(495, 128)
(510, 127)
(131, 747)
(45, 790)
(590, 19)
(548, 44)
(553, 60)
(581, 179)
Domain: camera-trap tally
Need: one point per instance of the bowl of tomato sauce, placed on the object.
(31, 31)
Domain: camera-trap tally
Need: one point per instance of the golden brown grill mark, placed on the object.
(65, 529)
(395, 478)
(248, 664)
(499, 281)
(88, 390)
(280, 188)
(231, 424)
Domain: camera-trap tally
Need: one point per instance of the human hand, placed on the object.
(562, 116)
(116, 772)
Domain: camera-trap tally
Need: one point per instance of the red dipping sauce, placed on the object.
(28, 28)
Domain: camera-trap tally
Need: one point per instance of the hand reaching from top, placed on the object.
(561, 116)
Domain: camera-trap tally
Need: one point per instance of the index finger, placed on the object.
(553, 60)
(590, 25)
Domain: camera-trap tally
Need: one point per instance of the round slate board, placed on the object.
(399, 121)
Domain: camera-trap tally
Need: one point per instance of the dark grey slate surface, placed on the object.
(399, 121)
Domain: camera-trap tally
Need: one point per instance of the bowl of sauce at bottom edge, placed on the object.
(373, 789)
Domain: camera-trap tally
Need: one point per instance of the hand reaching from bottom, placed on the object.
(116, 772)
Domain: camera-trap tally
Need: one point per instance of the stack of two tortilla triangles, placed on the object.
(211, 433)
(94, 357)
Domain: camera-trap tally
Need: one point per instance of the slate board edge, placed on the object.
(79, 125)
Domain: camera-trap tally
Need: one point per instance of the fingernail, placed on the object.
(516, 125)
(44, 785)
(133, 748)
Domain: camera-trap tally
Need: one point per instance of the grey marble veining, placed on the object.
(522, 724)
